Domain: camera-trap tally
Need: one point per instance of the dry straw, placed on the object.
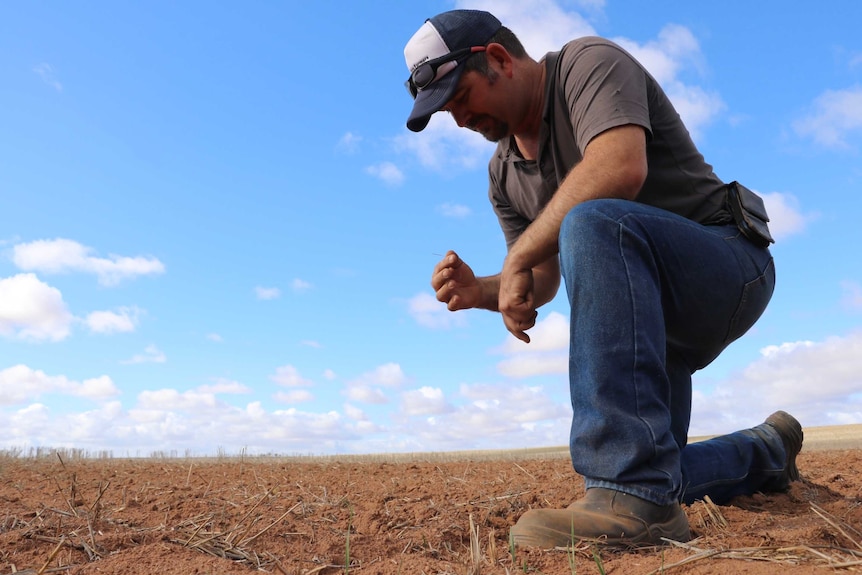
(832, 557)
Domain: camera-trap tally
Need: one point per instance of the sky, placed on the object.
(217, 234)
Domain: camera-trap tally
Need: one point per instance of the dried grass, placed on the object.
(832, 557)
(200, 533)
(475, 549)
(79, 528)
(237, 531)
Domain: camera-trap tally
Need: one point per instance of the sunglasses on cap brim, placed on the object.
(425, 73)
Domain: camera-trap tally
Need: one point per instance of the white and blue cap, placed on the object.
(441, 35)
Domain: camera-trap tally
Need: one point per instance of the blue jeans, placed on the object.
(654, 297)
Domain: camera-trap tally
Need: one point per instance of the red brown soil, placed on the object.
(303, 517)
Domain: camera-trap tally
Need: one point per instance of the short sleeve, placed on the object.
(604, 88)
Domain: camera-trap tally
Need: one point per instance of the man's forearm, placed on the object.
(490, 292)
(614, 166)
(546, 282)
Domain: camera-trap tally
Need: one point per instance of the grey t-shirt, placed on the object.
(594, 85)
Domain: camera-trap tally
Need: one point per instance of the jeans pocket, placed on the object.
(755, 296)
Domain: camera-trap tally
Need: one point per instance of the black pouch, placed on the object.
(749, 213)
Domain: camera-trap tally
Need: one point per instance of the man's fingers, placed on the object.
(450, 260)
(448, 294)
(519, 324)
(444, 270)
(520, 334)
(444, 292)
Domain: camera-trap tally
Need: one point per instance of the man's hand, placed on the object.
(456, 284)
(517, 301)
(516, 293)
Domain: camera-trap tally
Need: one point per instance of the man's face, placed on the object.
(473, 104)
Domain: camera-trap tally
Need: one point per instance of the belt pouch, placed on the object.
(749, 214)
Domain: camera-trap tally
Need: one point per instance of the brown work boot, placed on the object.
(790, 431)
(607, 516)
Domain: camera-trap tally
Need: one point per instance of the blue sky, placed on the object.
(217, 234)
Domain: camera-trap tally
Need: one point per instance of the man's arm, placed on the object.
(459, 288)
(614, 166)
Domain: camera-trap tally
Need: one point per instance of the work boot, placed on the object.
(604, 515)
(790, 431)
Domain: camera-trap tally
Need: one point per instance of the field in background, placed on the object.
(405, 514)
(824, 438)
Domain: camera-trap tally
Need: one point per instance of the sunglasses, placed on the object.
(425, 73)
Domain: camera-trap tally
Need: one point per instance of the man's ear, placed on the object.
(499, 58)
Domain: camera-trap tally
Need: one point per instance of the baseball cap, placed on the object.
(441, 35)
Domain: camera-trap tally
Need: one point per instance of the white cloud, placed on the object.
(167, 420)
(387, 172)
(496, 416)
(818, 382)
(267, 293)
(458, 211)
(387, 375)
(289, 376)
(443, 146)
(696, 106)
(32, 310)
(528, 404)
(47, 74)
(361, 423)
(675, 51)
(365, 394)
(171, 399)
(541, 25)
(367, 387)
(95, 388)
(349, 143)
(214, 337)
(424, 401)
(151, 354)
(428, 312)
(834, 117)
(299, 285)
(222, 385)
(311, 343)
(785, 217)
(21, 383)
(549, 334)
(776, 351)
(62, 256)
(547, 352)
(91, 425)
(124, 320)
(354, 412)
(533, 364)
(36, 425)
(293, 396)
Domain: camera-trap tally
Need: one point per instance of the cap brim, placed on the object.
(432, 99)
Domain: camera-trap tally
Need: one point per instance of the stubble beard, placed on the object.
(496, 129)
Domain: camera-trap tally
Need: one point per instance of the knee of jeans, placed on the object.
(584, 224)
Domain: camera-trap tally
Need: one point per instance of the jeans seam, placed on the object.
(622, 231)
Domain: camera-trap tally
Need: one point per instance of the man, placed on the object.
(596, 178)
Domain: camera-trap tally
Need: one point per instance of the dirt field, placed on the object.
(426, 514)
